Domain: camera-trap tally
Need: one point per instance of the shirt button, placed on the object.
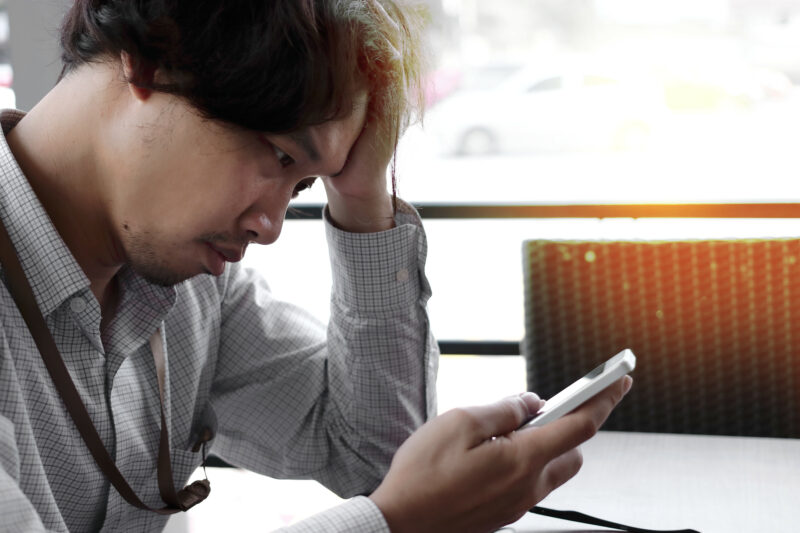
(402, 275)
(78, 305)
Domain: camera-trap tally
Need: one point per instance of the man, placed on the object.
(176, 136)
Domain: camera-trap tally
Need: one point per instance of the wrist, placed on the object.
(358, 215)
(390, 515)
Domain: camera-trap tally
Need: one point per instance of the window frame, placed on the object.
(313, 211)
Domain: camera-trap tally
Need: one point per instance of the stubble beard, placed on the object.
(150, 265)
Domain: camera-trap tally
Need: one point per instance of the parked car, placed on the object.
(540, 109)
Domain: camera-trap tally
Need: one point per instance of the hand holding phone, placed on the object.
(585, 388)
(468, 470)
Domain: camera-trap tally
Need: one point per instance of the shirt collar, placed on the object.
(52, 271)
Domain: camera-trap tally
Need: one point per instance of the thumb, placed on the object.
(503, 417)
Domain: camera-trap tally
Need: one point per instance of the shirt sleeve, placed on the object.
(357, 515)
(298, 399)
(17, 511)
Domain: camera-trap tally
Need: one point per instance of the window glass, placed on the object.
(662, 102)
(547, 84)
(7, 97)
(673, 101)
(475, 266)
(594, 80)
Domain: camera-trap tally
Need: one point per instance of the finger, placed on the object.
(500, 418)
(532, 401)
(560, 470)
(570, 431)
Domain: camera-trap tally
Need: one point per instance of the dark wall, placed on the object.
(33, 46)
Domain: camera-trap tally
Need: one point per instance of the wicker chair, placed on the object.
(715, 326)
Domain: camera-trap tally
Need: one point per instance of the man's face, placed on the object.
(194, 193)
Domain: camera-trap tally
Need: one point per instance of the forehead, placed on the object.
(333, 133)
(353, 116)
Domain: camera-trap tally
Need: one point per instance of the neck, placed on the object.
(59, 148)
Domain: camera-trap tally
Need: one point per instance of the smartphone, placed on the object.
(582, 390)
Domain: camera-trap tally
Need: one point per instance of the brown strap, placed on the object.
(23, 296)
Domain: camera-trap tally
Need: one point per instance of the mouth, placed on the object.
(219, 256)
(229, 255)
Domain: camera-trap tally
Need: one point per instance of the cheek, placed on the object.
(217, 190)
(181, 211)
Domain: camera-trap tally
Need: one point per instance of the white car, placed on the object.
(536, 109)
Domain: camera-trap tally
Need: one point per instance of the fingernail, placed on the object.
(627, 384)
(532, 402)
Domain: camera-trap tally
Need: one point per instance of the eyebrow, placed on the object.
(303, 138)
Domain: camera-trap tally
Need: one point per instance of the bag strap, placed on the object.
(575, 516)
(21, 291)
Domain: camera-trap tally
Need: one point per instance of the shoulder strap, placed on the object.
(25, 300)
(575, 516)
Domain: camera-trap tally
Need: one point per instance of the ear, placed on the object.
(134, 77)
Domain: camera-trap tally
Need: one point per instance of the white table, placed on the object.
(710, 484)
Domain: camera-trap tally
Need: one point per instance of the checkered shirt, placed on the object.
(285, 395)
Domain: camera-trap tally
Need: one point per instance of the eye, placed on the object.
(283, 158)
(303, 185)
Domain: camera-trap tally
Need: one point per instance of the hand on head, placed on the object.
(468, 470)
(358, 199)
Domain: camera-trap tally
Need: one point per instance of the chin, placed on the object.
(165, 281)
(161, 275)
(165, 265)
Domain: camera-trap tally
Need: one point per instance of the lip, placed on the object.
(231, 256)
(217, 257)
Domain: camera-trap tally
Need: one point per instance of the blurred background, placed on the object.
(532, 102)
(565, 102)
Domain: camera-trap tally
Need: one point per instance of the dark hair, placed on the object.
(265, 65)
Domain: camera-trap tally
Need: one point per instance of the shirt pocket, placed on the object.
(184, 463)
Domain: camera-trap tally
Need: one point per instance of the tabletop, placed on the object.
(660, 481)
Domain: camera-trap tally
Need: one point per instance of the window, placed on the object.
(7, 96)
(549, 84)
(649, 103)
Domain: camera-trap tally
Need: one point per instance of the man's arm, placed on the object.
(294, 399)
(17, 512)
(351, 395)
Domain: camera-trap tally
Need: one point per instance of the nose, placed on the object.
(263, 225)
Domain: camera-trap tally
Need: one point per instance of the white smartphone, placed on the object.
(585, 388)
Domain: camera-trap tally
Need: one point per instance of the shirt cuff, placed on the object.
(379, 271)
(357, 515)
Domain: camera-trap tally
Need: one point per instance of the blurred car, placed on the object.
(537, 109)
